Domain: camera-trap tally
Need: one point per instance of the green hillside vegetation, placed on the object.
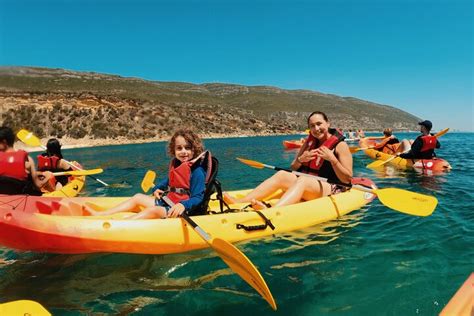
(57, 102)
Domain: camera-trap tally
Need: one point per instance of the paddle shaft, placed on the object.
(79, 168)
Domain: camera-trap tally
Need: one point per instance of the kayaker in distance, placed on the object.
(18, 174)
(389, 144)
(324, 153)
(360, 133)
(52, 160)
(424, 145)
(185, 183)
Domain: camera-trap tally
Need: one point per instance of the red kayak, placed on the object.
(292, 144)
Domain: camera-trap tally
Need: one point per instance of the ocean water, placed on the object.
(372, 261)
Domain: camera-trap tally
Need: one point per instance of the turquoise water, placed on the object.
(373, 261)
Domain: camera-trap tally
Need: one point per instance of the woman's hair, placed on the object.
(320, 113)
(191, 138)
(6, 134)
(53, 148)
(387, 132)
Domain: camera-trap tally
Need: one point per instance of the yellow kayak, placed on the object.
(462, 303)
(22, 308)
(71, 189)
(51, 224)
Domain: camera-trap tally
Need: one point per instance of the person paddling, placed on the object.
(424, 145)
(182, 190)
(52, 160)
(17, 169)
(389, 144)
(324, 153)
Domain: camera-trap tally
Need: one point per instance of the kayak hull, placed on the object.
(425, 165)
(48, 224)
(462, 303)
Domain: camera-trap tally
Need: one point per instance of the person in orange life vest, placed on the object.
(360, 133)
(424, 145)
(185, 183)
(52, 160)
(389, 144)
(323, 153)
(18, 166)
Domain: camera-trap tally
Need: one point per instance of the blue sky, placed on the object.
(414, 55)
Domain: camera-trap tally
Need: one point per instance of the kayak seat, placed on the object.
(211, 165)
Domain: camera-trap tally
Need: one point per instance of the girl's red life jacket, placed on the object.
(315, 165)
(12, 164)
(179, 179)
(429, 142)
(47, 163)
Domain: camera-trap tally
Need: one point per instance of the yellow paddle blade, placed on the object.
(442, 132)
(79, 172)
(251, 163)
(23, 307)
(379, 163)
(353, 149)
(28, 138)
(407, 202)
(148, 180)
(356, 149)
(241, 265)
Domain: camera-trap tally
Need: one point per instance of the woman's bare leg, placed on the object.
(280, 180)
(130, 205)
(305, 188)
(150, 212)
(405, 145)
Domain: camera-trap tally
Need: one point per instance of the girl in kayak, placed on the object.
(52, 160)
(323, 154)
(184, 185)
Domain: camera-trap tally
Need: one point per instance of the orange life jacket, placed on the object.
(179, 179)
(47, 163)
(429, 142)
(314, 166)
(12, 164)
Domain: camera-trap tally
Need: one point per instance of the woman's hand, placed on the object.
(176, 210)
(326, 154)
(158, 193)
(307, 155)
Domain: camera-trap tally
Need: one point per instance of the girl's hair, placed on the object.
(320, 113)
(387, 131)
(53, 148)
(191, 138)
(6, 134)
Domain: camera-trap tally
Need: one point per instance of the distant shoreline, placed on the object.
(86, 142)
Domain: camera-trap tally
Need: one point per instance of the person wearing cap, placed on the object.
(424, 145)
